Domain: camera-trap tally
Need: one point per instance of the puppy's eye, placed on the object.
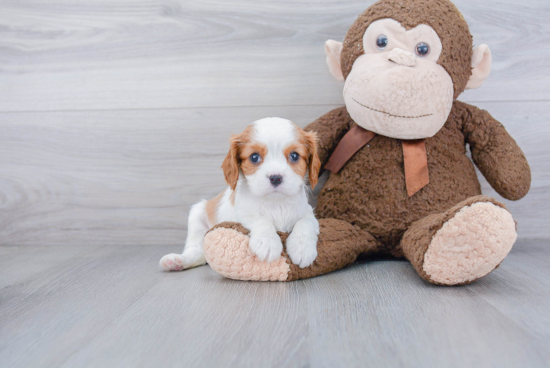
(422, 49)
(255, 158)
(382, 42)
(294, 156)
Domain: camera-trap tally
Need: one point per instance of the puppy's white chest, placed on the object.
(284, 219)
(282, 214)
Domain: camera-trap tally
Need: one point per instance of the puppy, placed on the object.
(265, 170)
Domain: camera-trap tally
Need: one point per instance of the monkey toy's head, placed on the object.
(404, 62)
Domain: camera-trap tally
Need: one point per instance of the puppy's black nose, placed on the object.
(275, 180)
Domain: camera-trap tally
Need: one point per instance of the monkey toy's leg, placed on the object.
(461, 245)
(227, 252)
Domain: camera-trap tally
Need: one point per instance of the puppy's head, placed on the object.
(274, 155)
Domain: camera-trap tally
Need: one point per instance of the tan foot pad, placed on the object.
(227, 252)
(470, 245)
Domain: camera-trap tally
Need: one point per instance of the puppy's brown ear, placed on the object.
(230, 164)
(314, 164)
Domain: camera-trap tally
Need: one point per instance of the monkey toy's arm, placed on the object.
(495, 153)
(330, 129)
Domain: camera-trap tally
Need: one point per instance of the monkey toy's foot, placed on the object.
(227, 252)
(463, 244)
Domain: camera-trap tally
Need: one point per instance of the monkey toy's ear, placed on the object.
(481, 66)
(333, 50)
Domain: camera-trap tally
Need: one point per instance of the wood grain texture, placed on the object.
(130, 177)
(114, 177)
(112, 307)
(99, 144)
(81, 55)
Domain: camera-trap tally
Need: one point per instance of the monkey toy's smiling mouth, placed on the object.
(387, 113)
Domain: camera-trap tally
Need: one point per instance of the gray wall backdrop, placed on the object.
(115, 115)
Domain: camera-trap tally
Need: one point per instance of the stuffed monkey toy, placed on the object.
(400, 182)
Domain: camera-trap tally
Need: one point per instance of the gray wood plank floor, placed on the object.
(112, 307)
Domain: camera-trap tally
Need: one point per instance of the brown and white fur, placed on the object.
(265, 196)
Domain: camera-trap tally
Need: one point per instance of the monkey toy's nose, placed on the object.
(402, 57)
(275, 180)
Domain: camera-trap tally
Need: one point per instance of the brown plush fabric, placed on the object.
(339, 245)
(495, 153)
(331, 127)
(370, 190)
(352, 142)
(417, 239)
(441, 15)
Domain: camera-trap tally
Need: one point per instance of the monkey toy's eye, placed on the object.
(294, 156)
(255, 158)
(382, 42)
(422, 49)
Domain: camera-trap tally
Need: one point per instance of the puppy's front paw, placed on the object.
(301, 247)
(266, 246)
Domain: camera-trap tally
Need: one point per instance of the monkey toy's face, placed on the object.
(401, 78)
(397, 88)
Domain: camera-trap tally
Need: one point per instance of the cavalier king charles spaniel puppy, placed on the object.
(265, 169)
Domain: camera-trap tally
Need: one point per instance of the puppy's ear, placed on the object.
(314, 164)
(230, 164)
